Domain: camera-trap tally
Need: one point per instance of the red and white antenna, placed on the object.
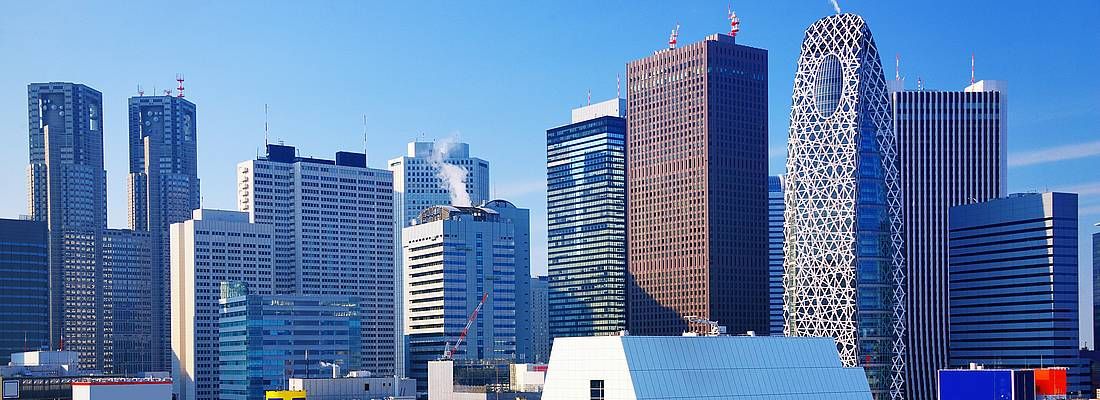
(179, 78)
(673, 36)
(735, 23)
(589, 96)
(971, 68)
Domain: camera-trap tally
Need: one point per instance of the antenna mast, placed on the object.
(735, 23)
(140, 91)
(179, 78)
(673, 36)
(971, 68)
(265, 126)
(897, 66)
(618, 86)
(366, 160)
(589, 97)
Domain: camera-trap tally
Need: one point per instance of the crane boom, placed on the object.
(449, 351)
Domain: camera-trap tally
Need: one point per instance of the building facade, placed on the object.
(331, 218)
(586, 206)
(1013, 284)
(163, 189)
(67, 186)
(128, 303)
(24, 287)
(419, 180)
(843, 266)
(212, 247)
(267, 339)
(457, 258)
(951, 151)
(775, 255)
(540, 318)
(697, 134)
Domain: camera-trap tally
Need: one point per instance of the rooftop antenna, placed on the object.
(735, 23)
(140, 92)
(673, 36)
(168, 92)
(971, 68)
(897, 66)
(589, 96)
(179, 78)
(920, 83)
(618, 86)
(265, 126)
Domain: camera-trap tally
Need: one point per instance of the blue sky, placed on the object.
(498, 74)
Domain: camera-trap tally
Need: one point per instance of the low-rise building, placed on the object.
(680, 367)
(357, 385)
(122, 389)
(484, 379)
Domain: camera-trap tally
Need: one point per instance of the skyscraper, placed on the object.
(843, 266)
(24, 287)
(163, 189)
(214, 246)
(332, 218)
(951, 151)
(455, 258)
(697, 138)
(266, 339)
(67, 186)
(127, 308)
(432, 172)
(1013, 284)
(1096, 287)
(586, 205)
(540, 318)
(775, 255)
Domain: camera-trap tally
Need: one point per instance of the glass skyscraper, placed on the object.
(266, 339)
(1013, 284)
(843, 267)
(697, 194)
(24, 287)
(775, 255)
(67, 185)
(586, 205)
(163, 189)
(951, 151)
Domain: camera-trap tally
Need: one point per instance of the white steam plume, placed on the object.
(836, 7)
(453, 176)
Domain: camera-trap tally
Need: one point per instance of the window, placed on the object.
(596, 389)
(366, 387)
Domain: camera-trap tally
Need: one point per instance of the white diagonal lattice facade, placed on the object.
(843, 275)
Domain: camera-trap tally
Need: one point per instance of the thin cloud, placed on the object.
(1055, 154)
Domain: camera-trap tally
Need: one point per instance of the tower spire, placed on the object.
(971, 68)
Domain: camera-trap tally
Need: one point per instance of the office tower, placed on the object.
(163, 189)
(697, 175)
(127, 259)
(775, 255)
(267, 339)
(332, 218)
(1013, 284)
(520, 218)
(24, 287)
(214, 246)
(1096, 288)
(458, 260)
(586, 205)
(67, 186)
(540, 316)
(434, 173)
(951, 151)
(843, 248)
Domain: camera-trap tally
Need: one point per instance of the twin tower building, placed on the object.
(859, 232)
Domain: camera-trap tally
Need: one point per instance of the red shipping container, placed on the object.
(1050, 381)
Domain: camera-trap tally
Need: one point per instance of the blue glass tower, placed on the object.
(24, 287)
(266, 339)
(1013, 284)
(586, 202)
(775, 255)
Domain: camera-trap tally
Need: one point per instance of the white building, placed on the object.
(122, 389)
(482, 380)
(356, 387)
(698, 367)
(454, 258)
(214, 246)
(334, 235)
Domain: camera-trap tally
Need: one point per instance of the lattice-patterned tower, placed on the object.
(843, 275)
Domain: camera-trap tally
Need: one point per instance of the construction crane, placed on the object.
(715, 329)
(448, 350)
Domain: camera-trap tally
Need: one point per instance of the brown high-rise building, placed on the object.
(697, 153)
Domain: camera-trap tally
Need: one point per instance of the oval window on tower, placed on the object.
(828, 85)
